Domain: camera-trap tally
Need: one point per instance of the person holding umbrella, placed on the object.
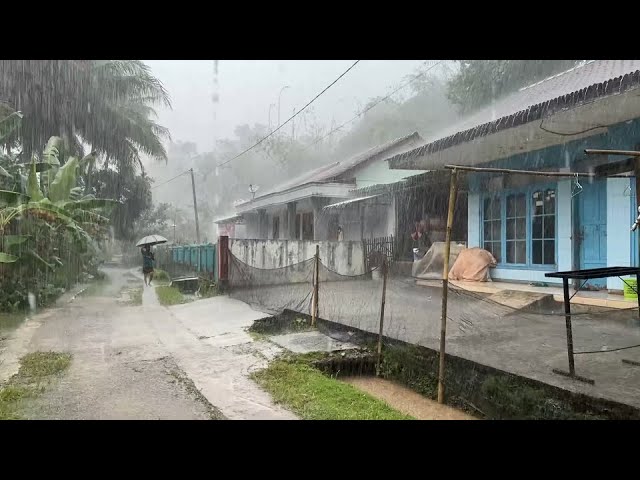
(148, 258)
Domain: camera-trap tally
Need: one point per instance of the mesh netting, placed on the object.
(499, 333)
(273, 290)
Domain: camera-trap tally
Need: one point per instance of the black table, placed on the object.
(587, 274)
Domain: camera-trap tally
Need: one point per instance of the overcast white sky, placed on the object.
(246, 88)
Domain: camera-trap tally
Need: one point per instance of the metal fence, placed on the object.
(384, 245)
(179, 260)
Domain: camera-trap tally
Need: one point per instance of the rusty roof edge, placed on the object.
(615, 86)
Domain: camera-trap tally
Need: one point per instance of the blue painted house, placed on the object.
(535, 224)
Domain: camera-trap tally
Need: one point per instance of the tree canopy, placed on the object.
(479, 82)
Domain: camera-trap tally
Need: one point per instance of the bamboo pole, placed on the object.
(385, 272)
(453, 190)
(519, 172)
(314, 311)
(627, 153)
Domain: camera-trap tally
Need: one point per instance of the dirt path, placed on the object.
(405, 400)
(149, 362)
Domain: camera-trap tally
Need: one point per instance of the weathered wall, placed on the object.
(346, 258)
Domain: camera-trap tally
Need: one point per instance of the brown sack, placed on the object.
(472, 265)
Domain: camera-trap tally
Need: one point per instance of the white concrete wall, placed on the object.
(618, 235)
(346, 258)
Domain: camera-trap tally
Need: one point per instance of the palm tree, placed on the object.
(107, 104)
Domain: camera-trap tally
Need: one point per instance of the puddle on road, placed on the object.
(9, 322)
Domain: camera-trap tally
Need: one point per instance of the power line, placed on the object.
(170, 180)
(292, 117)
(373, 105)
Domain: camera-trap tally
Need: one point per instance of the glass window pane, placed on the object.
(496, 230)
(511, 252)
(536, 227)
(550, 201)
(550, 226)
(538, 203)
(521, 251)
(495, 208)
(487, 208)
(487, 230)
(511, 229)
(521, 205)
(549, 252)
(511, 206)
(497, 251)
(521, 228)
(536, 253)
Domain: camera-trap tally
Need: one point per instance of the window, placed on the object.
(519, 228)
(276, 228)
(516, 235)
(543, 229)
(307, 226)
(493, 226)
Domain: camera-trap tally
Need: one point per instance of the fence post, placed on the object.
(316, 271)
(445, 282)
(385, 272)
(223, 262)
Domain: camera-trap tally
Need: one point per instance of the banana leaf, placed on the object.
(64, 181)
(12, 240)
(6, 258)
(9, 124)
(4, 173)
(33, 189)
(12, 198)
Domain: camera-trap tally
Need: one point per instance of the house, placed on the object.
(398, 206)
(535, 224)
(294, 209)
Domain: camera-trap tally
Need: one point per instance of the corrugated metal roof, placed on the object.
(329, 172)
(566, 90)
(231, 218)
(346, 203)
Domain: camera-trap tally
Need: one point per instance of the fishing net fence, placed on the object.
(412, 311)
(487, 328)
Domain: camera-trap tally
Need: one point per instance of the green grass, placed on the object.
(161, 275)
(314, 396)
(169, 296)
(35, 369)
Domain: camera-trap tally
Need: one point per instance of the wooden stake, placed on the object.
(453, 190)
(316, 272)
(385, 271)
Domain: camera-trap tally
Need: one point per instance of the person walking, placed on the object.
(148, 260)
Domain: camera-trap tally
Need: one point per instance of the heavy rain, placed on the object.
(319, 240)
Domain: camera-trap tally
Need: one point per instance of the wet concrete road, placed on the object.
(147, 362)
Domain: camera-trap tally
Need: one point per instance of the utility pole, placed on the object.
(195, 206)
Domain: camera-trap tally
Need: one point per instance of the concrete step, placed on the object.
(521, 300)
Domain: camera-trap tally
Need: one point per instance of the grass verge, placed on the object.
(35, 370)
(168, 296)
(315, 396)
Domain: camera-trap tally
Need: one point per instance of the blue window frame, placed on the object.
(519, 226)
